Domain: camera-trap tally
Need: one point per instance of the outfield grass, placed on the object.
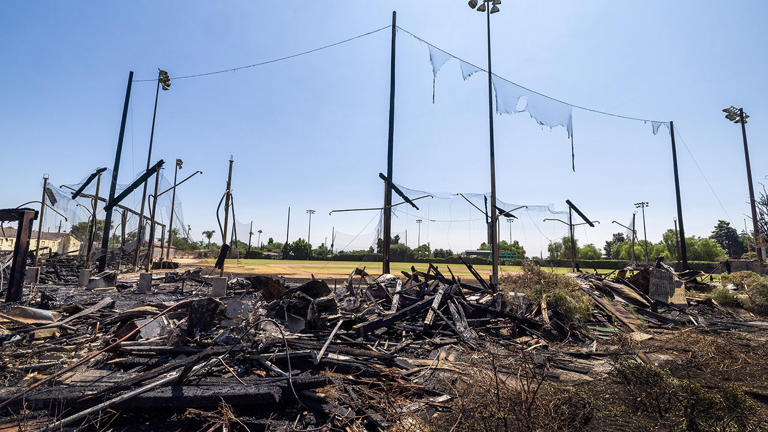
(325, 269)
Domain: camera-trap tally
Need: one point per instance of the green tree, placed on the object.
(182, 243)
(400, 252)
(609, 245)
(299, 249)
(704, 249)
(209, 235)
(80, 231)
(322, 251)
(567, 247)
(728, 238)
(555, 250)
(589, 252)
(669, 239)
(625, 253)
(442, 253)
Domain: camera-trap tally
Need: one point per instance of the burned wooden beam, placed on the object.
(24, 218)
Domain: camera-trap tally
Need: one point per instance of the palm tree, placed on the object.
(209, 235)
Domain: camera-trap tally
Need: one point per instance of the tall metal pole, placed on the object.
(746, 231)
(151, 249)
(123, 221)
(287, 232)
(755, 224)
(634, 232)
(642, 205)
(140, 233)
(40, 221)
(677, 243)
(309, 232)
(94, 221)
(227, 198)
(387, 219)
(573, 241)
(173, 210)
(494, 213)
(250, 234)
(418, 235)
(113, 184)
(683, 249)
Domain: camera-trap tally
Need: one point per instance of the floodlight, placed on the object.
(472, 3)
(481, 8)
(495, 9)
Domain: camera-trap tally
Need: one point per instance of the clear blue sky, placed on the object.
(311, 132)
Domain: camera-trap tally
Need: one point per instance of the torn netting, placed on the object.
(438, 58)
(511, 98)
(657, 125)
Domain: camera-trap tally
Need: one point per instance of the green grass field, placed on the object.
(302, 268)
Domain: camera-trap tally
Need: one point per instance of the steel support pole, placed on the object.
(227, 200)
(677, 243)
(250, 234)
(387, 219)
(683, 248)
(634, 232)
(40, 221)
(173, 209)
(94, 222)
(573, 240)
(287, 232)
(140, 233)
(151, 249)
(494, 213)
(113, 184)
(755, 222)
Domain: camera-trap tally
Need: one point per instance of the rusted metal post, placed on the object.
(40, 222)
(162, 242)
(113, 185)
(25, 218)
(227, 199)
(387, 219)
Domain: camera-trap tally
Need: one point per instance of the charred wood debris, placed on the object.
(303, 355)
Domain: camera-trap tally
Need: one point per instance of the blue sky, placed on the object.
(311, 132)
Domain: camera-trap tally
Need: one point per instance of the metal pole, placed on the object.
(387, 219)
(258, 240)
(642, 205)
(418, 236)
(250, 234)
(151, 249)
(173, 208)
(113, 185)
(40, 221)
(755, 224)
(683, 249)
(309, 231)
(94, 222)
(677, 243)
(287, 231)
(509, 221)
(123, 220)
(494, 214)
(573, 241)
(227, 198)
(746, 231)
(634, 231)
(140, 234)
(162, 242)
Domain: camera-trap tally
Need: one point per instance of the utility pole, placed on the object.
(677, 241)
(287, 231)
(165, 81)
(123, 221)
(683, 248)
(573, 241)
(179, 164)
(418, 237)
(94, 221)
(746, 231)
(642, 205)
(310, 212)
(738, 116)
(250, 234)
(152, 224)
(258, 240)
(227, 200)
(333, 238)
(634, 236)
(509, 221)
(387, 219)
(113, 185)
(40, 221)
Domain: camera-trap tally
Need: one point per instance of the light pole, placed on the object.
(179, 164)
(509, 221)
(494, 8)
(634, 234)
(737, 115)
(642, 205)
(418, 236)
(164, 81)
(571, 234)
(310, 212)
(258, 239)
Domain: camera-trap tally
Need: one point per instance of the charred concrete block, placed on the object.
(145, 283)
(218, 286)
(32, 275)
(83, 278)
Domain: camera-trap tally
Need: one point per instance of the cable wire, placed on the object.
(275, 60)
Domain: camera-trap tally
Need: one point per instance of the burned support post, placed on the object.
(573, 241)
(123, 221)
(113, 185)
(683, 249)
(40, 221)
(24, 217)
(387, 219)
(227, 200)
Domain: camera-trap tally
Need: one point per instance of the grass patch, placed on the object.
(754, 286)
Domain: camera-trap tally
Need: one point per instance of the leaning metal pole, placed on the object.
(387, 219)
(40, 221)
(755, 224)
(683, 249)
(227, 201)
(173, 210)
(152, 224)
(494, 215)
(113, 185)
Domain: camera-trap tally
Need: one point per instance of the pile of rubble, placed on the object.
(360, 354)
